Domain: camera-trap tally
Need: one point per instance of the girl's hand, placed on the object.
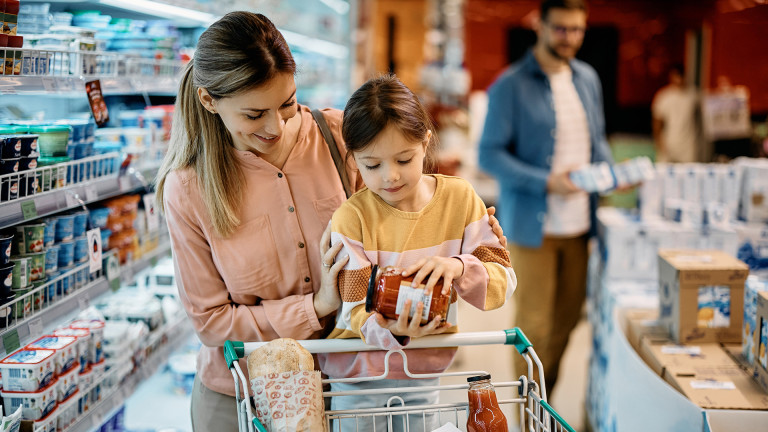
(413, 328)
(327, 299)
(436, 268)
(495, 226)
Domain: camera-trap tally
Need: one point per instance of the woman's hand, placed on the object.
(496, 227)
(327, 300)
(402, 327)
(435, 268)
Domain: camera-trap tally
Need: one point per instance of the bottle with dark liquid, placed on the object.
(388, 293)
(484, 412)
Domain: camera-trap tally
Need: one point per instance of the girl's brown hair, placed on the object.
(237, 53)
(382, 101)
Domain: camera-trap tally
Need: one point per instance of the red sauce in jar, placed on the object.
(484, 412)
(387, 295)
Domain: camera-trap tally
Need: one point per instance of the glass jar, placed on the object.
(484, 412)
(388, 293)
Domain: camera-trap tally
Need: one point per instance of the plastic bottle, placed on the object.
(484, 412)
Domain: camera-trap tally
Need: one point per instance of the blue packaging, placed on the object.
(51, 260)
(66, 253)
(80, 223)
(105, 233)
(64, 228)
(49, 235)
(99, 217)
(81, 249)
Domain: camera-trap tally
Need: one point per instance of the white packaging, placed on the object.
(633, 171)
(96, 341)
(34, 405)
(86, 379)
(47, 424)
(650, 196)
(66, 417)
(82, 344)
(68, 384)
(729, 190)
(28, 370)
(673, 181)
(691, 183)
(596, 177)
(751, 288)
(709, 186)
(65, 347)
(754, 189)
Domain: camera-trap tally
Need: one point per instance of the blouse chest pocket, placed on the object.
(248, 260)
(325, 208)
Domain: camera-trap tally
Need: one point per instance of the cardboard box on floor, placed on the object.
(701, 295)
(705, 373)
(761, 341)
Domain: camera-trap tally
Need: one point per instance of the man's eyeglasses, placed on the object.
(563, 30)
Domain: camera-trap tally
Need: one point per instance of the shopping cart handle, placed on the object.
(259, 427)
(233, 351)
(517, 338)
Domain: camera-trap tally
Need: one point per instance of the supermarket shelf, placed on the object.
(75, 86)
(113, 398)
(69, 197)
(29, 328)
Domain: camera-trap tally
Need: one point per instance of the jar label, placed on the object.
(416, 295)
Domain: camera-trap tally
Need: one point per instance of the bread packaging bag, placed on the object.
(287, 391)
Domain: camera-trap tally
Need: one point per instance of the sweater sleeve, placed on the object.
(204, 295)
(488, 279)
(353, 321)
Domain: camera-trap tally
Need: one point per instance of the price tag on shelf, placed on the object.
(11, 341)
(84, 302)
(28, 209)
(50, 84)
(36, 328)
(72, 199)
(150, 212)
(91, 194)
(124, 182)
(94, 250)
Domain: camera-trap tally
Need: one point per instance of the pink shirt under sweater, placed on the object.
(257, 284)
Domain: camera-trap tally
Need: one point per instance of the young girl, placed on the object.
(428, 225)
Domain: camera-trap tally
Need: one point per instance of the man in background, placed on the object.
(545, 119)
(676, 123)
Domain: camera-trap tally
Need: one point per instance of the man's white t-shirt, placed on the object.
(676, 107)
(568, 215)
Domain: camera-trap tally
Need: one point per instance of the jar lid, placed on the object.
(3, 40)
(7, 130)
(49, 128)
(479, 378)
(19, 129)
(371, 289)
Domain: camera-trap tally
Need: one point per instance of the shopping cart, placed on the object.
(528, 402)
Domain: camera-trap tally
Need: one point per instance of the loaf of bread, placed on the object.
(278, 356)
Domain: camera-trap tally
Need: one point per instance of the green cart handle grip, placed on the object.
(259, 427)
(233, 351)
(516, 337)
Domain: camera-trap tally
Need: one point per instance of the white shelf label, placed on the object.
(94, 250)
(681, 350)
(124, 182)
(713, 385)
(153, 219)
(36, 328)
(71, 198)
(50, 84)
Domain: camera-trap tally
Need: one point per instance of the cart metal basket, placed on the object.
(528, 403)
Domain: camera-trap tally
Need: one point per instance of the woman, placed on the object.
(248, 188)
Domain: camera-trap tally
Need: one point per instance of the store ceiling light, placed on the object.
(317, 45)
(181, 16)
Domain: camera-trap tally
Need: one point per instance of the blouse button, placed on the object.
(280, 175)
(301, 245)
(306, 279)
(290, 209)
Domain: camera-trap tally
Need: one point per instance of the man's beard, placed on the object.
(557, 55)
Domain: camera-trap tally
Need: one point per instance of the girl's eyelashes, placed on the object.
(405, 162)
(249, 117)
(371, 167)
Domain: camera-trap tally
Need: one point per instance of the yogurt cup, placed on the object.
(34, 405)
(80, 253)
(36, 265)
(95, 344)
(30, 238)
(69, 382)
(9, 166)
(79, 223)
(47, 424)
(5, 248)
(99, 217)
(27, 187)
(82, 337)
(6, 280)
(86, 379)
(65, 227)
(66, 284)
(21, 272)
(10, 146)
(51, 260)
(66, 253)
(65, 347)
(81, 278)
(23, 306)
(9, 189)
(49, 234)
(27, 163)
(28, 370)
(28, 145)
